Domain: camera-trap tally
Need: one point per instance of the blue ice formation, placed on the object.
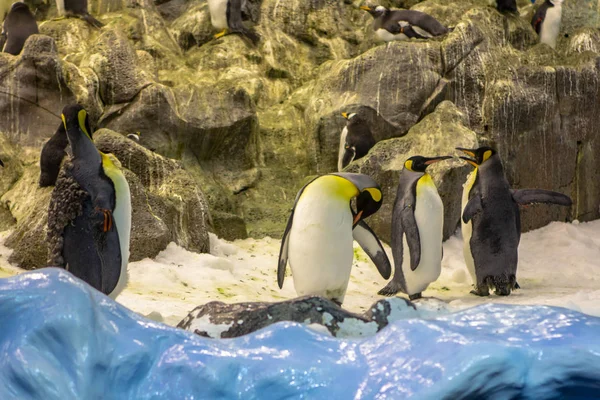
(60, 339)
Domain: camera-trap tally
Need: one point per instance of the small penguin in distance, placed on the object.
(77, 8)
(18, 25)
(417, 224)
(505, 6)
(392, 25)
(491, 222)
(318, 239)
(355, 141)
(226, 15)
(546, 21)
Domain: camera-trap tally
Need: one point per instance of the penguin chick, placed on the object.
(318, 238)
(417, 223)
(226, 15)
(355, 141)
(546, 21)
(77, 8)
(491, 222)
(18, 25)
(403, 24)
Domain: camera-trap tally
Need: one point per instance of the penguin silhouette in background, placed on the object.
(491, 222)
(355, 141)
(507, 6)
(417, 223)
(18, 25)
(546, 21)
(226, 15)
(79, 9)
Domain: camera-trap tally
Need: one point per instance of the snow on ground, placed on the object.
(559, 265)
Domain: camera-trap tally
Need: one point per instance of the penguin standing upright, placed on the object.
(403, 24)
(491, 223)
(96, 243)
(226, 15)
(77, 8)
(417, 223)
(320, 232)
(18, 25)
(507, 6)
(52, 155)
(546, 21)
(355, 141)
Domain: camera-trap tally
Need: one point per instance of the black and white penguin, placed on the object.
(355, 141)
(546, 21)
(417, 226)
(52, 156)
(226, 15)
(318, 239)
(18, 25)
(77, 8)
(505, 6)
(403, 24)
(96, 243)
(491, 224)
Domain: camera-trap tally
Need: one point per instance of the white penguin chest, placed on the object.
(342, 148)
(551, 25)
(467, 229)
(429, 215)
(320, 246)
(386, 36)
(218, 13)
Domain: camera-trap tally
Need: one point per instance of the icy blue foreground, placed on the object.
(60, 339)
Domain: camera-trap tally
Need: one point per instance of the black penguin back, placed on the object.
(52, 155)
(19, 24)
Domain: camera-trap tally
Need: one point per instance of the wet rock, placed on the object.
(218, 320)
(437, 134)
(229, 226)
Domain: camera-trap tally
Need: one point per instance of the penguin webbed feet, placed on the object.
(220, 34)
(415, 296)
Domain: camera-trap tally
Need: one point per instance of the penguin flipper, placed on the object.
(92, 21)
(349, 155)
(369, 242)
(411, 230)
(283, 251)
(473, 207)
(532, 196)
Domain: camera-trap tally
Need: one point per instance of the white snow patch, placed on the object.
(203, 324)
(352, 327)
(319, 328)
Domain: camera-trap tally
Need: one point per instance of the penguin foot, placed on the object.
(517, 286)
(482, 293)
(221, 34)
(390, 289)
(415, 296)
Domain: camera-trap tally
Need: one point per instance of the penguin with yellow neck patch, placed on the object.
(96, 243)
(491, 222)
(318, 239)
(417, 225)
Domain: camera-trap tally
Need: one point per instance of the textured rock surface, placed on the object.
(219, 320)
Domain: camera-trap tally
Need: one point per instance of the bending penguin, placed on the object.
(318, 239)
(355, 141)
(226, 15)
(392, 25)
(491, 224)
(52, 155)
(77, 8)
(417, 224)
(96, 243)
(546, 21)
(18, 25)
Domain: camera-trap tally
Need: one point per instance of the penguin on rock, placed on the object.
(18, 25)
(392, 25)
(355, 141)
(226, 15)
(546, 21)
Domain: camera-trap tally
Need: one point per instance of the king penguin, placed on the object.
(226, 15)
(403, 24)
(355, 141)
(417, 225)
(18, 25)
(96, 244)
(491, 223)
(546, 21)
(52, 155)
(318, 239)
(77, 8)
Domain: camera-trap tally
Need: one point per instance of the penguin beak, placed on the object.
(434, 160)
(357, 218)
(472, 162)
(366, 8)
(345, 115)
(470, 152)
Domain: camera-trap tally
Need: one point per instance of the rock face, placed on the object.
(167, 206)
(219, 320)
(251, 123)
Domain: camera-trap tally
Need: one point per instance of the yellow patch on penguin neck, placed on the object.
(335, 186)
(425, 181)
